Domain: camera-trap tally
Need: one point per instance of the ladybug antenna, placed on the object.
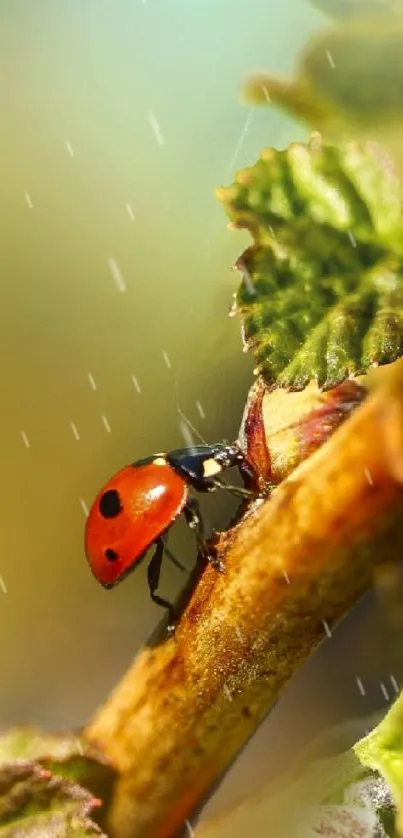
(186, 426)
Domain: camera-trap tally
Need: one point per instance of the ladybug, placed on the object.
(140, 503)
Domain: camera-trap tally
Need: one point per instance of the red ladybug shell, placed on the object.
(141, 502)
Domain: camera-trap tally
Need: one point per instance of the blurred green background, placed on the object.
(119, 118)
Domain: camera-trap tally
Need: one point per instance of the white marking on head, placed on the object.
(211, 467)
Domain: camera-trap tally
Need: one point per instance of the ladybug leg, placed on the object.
(247, 473)
(153, 576)
(195, 522)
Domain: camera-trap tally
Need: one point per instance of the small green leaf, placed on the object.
(321, 295)
(294, 96)
(349, 79)
(34, 803)
(349, 9)
(65, 755)
(341, 821)
(50, 785)
(358, 71)
(382, 751)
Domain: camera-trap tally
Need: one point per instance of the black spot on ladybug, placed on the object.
(110, 504)
(111, 555)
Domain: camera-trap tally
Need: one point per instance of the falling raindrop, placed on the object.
(156, 129)
(136, 384)
(75, 431)
(25, 439)
(116, 274)
(84, 506)
(106, 423)
(200, 409)
(360, 685)
(330, 59)
(92, 381)
(130, 212)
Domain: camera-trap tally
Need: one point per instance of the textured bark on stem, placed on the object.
(186, 707)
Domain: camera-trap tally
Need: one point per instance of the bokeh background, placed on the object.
(119, 118)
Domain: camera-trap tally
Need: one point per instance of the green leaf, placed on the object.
(294, 96)
(358, 71)
(66, 755)
(333, 797)
(341, 821)
(34, 803)
(349, 9)
(382, 751)
(349, 79)
(50, 785)
(321, 295)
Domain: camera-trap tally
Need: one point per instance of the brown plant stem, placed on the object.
(186, 707)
